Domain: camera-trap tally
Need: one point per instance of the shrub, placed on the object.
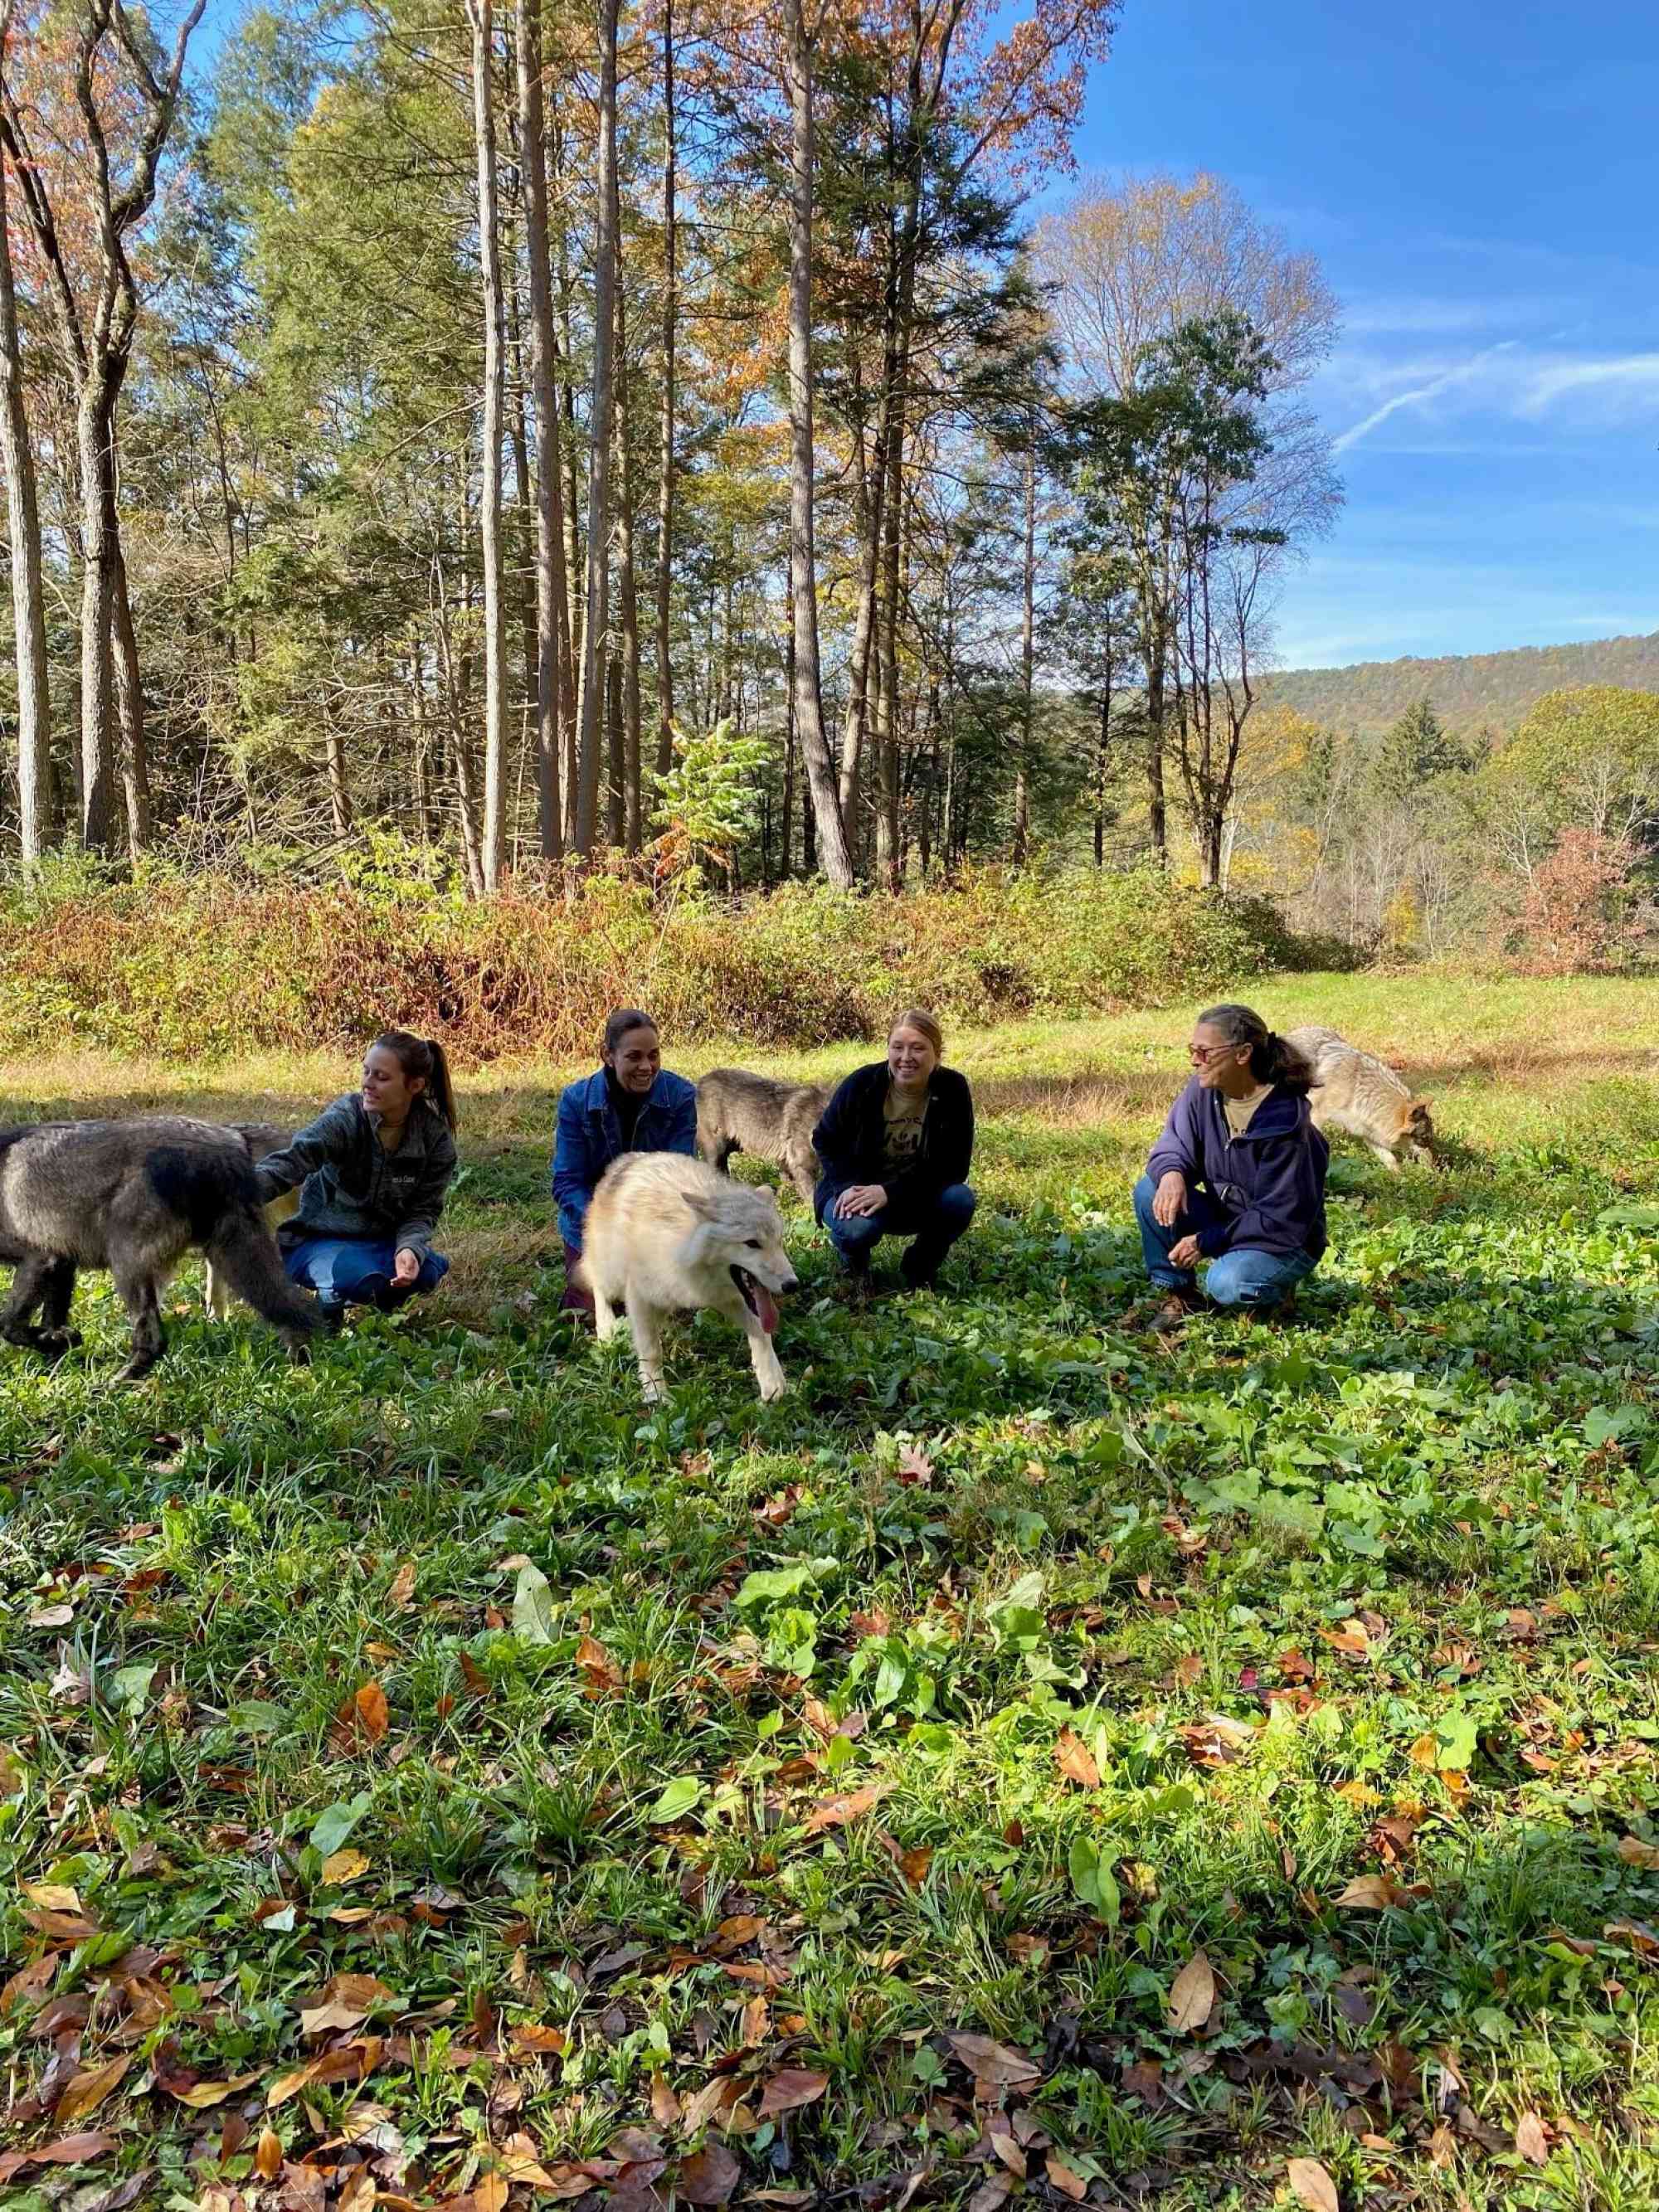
(185, 967)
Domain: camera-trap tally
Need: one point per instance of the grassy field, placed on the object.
(1030, 1762)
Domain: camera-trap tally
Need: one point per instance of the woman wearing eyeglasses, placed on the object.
(1237, 1177)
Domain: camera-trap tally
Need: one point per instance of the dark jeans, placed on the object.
(1246, 1276)
(356, 1271)
(934, 1222)
(576, 1298)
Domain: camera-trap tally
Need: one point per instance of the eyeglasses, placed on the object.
(1201, 1054)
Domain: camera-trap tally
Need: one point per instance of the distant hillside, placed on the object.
(1468, 692)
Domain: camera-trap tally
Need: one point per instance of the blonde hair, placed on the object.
(919, 1019)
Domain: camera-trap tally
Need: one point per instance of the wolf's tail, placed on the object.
(242, 1253)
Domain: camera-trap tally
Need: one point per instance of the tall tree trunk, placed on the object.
(867, 509)
(339, 787)
(788, 806)
(887, 704)
(1027, 665)
(129, 702)
(95, 443)
(494, 841)
(666, 436)
(597, 621)
(616, 772)
(553, 670)
(836, 860)
(422, 765)
(34, 783)
(627, 586)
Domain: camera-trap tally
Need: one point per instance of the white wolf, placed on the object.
(664, 1231)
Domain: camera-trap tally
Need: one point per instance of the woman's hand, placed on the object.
(1184, 1254)
(1170, 1201)
(406, 1268)
(860, 1199)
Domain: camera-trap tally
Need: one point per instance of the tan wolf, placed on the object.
(740, 1112)
(260, 1139)
(666, 1232)
(1358, 1093)
(134, 1197)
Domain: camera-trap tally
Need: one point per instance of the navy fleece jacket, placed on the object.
(1269, 1183)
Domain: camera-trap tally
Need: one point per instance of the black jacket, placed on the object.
(851, 1139)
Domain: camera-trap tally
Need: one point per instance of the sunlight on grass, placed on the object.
(1012, 1660)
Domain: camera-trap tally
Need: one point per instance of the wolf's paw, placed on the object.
(653, 1393)
(771, 1391)
(52, 1343)
(299, 1352)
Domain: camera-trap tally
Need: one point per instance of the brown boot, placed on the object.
(1175, 1311)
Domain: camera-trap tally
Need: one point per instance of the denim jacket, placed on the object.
(590, 1137)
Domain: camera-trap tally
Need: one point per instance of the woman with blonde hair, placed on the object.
(896, 1142)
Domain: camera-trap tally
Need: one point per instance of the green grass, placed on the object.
(980, 1521)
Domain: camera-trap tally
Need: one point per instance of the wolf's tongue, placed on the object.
(766, 1307)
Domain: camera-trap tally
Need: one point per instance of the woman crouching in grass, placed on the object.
(375, 1169)
(1237, 1177)
(896, 1141)
(633, 1103)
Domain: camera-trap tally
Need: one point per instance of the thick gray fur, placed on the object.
(135, 1197)
(740, 1112)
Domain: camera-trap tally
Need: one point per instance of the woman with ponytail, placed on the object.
(1237, 1177)
(375, 1167)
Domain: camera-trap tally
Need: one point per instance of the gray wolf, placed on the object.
(1357, 1092)
(134, 1197)
(666, 1232)
(261, 1139)
(740, 1112)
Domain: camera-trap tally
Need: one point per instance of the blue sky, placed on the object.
(1478, 182)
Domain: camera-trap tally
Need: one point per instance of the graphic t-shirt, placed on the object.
(903, 1119)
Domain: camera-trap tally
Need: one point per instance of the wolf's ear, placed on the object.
(1417, 1115)
(705, 1207)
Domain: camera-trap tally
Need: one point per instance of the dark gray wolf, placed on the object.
(134, 1197)
(666, 1232)
(260, 1139)
(1357, 1092)
(738, 1112)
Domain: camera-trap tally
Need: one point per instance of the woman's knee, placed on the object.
(1145, 1191)
(1226, 1283)
(956, 1202)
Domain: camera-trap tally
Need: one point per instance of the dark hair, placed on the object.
(423, 1057)
(1272, 1060)
(621, 1023)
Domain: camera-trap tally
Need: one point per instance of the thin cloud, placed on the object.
(1636, 375)
(1418, 394)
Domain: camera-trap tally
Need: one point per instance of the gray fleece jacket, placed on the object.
(354, 1186)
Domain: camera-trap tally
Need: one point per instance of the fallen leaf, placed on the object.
(1531, 2139)
(1312, 2185)
(371, 1712)
(200, 2096)
(403, 1587)
(1192, 1996)
(710, 2178)
(489, 2192)
(1634, 1852)
(1373, 1893)
(791, 2087)
(56, 1896)
(268, 2157)
(914, 1864)
(665, 2103)
(1352, 1639)
(992, 2064)
(1189, 1669)
(1075, 1761)
(341, 1867)
(1061, 2177)
(73, 2150)
(1442, 2146)
(526, 2037)
(87, 2091)
(836, 1812)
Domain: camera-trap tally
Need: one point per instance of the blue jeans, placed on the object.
(934, 1223)
(1246, 1276)
(346, 1271)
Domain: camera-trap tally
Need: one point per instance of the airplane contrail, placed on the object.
(1430, 391)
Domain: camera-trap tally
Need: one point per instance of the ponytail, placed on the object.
(423, 1058)
(1272, 1058)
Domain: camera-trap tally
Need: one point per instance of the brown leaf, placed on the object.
(89, 2090)
(791, 2087)
(836, 1812)
(595, 1662)
(56, 1896)
(403, 1587)
(1075, 1761)
(526, 2037)
(29, 1981)
(1531, 2139)
(992, 2064)
(665, 2103)
(733, 1932)
(61, 1927)
(710, 2178)
(1634, 1852)
(914, 1864)
(1192, 1995)
(756, 2022)
(268, 2157)
(1373, 1893)
(1009, 2152)
(1061, 2176)
(200, 2096)
(489, 2192)
(74, 2150)
(1442, 2146)
(1189, 1669)
(373, 1713)
(1312, 2185)
(716, 2097)
(1352, 1639)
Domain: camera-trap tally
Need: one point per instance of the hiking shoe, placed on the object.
(1175, 1311)
(924, 1278)
(860, 1288)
